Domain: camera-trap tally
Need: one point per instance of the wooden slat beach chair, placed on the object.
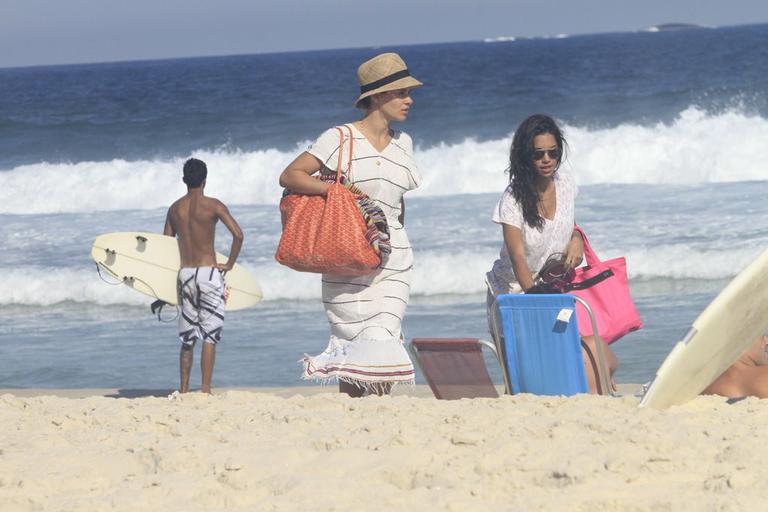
(454, 367)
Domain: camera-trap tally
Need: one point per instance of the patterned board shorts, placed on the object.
(202, 305)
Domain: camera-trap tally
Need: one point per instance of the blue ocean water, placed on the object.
(668, 138)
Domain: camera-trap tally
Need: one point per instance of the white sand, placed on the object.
(242, 450)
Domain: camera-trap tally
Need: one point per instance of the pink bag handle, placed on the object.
(589, 254)
(341, 153)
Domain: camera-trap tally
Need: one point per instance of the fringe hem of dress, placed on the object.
(376, 384)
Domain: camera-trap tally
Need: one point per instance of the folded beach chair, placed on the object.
(538, 339)
(454, 367)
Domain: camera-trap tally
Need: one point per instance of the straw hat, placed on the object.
(384, 72)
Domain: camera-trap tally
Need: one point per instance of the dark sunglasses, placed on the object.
(554, 154)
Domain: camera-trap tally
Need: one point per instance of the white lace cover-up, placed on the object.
(366, 313)
(539, 245)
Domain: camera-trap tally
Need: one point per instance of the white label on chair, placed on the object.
(565, 315)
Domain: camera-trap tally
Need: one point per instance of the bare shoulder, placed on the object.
(214, 202)
(217, 205)
(175, 205)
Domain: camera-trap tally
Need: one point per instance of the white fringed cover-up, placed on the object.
(366, 313)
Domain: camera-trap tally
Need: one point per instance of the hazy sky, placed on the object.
(36, 32)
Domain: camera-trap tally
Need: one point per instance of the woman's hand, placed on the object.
(574, 251)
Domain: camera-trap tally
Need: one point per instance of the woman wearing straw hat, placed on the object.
(366, 353)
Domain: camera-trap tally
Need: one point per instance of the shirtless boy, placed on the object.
(192, 219)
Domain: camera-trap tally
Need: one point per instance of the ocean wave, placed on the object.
(500, 39)
(435, 273)
(697, 147)
(45, 286)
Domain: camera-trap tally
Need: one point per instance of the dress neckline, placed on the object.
(557, 201)
(391, 138)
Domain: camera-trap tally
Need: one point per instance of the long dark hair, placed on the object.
(522, 173)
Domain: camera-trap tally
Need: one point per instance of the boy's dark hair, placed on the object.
(195, 172)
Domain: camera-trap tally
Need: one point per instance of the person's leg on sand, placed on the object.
(186, 357)
(591, 363)
(350, 389)
(207, 360)
(375, 388)
(380, 388)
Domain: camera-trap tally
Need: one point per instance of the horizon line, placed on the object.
(383, 45)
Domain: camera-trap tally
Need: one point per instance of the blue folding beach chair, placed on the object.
(538, 340)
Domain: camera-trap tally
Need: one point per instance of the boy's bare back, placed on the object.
(192, 219)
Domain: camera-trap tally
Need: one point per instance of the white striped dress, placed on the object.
(366, 313)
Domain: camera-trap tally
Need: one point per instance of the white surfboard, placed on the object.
(723, 331)
(149, 263)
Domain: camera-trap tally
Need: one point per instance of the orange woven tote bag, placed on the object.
(326, 234)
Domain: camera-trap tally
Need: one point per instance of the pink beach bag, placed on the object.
(605, 287)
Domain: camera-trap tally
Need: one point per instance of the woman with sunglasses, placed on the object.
(536, 213)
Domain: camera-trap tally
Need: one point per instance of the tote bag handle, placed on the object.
(341, 153)
(589, 253)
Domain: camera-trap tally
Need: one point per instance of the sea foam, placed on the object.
(696, 147)
(435, 273)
